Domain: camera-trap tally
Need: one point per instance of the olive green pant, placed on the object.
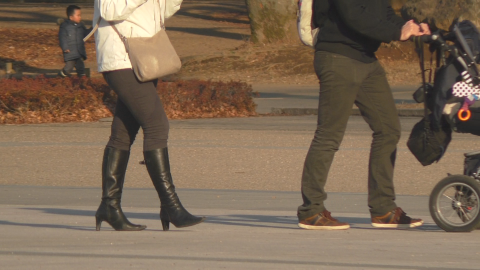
(344, 82)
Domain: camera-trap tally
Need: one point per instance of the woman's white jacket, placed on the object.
(133, 18)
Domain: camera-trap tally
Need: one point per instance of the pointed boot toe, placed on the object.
(172, 210)
(114, 168)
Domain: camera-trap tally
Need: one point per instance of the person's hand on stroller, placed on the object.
(413, 29)
(425, 29)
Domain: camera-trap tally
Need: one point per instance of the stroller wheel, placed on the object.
(454, 203)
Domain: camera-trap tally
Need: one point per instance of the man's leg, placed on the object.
(376, 103)
(339, 82)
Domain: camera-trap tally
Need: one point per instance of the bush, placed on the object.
(43, 100)
(50, 100)
(205, 99)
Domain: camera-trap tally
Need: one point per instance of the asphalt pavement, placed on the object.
(243, 174)
(257, 153)
(53, 228)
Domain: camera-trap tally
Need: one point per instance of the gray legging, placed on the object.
(138, 106)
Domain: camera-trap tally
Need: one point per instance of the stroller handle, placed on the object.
(438, 38)
(425, 38)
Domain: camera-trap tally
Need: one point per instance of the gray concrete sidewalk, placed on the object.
(53, 228)
(303, 99)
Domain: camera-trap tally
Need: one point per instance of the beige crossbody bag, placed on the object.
(151, 57)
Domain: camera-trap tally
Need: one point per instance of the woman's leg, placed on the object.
(145, 106)
(142, 106)
(115, 160)
(172, 210)
(114, 166)
(124, 128)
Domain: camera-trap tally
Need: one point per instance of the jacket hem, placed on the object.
(347, 51)
(112, 68)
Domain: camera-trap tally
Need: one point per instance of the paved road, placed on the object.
(260, 153)
(243, 174)
(53, 228)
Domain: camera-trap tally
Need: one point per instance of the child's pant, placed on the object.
(75, 63)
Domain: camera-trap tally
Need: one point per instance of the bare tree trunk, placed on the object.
(273, 20)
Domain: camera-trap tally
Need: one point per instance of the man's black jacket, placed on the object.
(356, 28)
(71, 37)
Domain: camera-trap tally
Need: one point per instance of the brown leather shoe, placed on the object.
(396, 219)
(323, 221)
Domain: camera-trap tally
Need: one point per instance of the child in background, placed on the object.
(71, 34)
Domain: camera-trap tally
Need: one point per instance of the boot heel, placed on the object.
(165, 225)
(98, 222)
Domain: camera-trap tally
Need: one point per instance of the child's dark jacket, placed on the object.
(71, 37)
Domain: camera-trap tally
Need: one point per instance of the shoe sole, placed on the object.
(325, 228)
(397, 226)
(193, 224)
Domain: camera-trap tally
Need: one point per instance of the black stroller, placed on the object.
(452, 103)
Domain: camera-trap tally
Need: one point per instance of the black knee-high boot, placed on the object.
(158, 166)
(114, 167)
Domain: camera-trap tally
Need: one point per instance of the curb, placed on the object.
(355, 111)
(314, 111)
(107, 119)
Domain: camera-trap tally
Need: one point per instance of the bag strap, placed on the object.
(421, 56)
(124, 38)
(162, 23)
(93, 30)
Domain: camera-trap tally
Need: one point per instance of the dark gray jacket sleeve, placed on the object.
(86, 31)
(62, 37)
(359, 17)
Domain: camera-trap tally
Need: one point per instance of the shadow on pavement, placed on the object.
(236, 220)
(254, 221)
(51, 226)
(24, 67)
(211, 32)
(207, 12)
(259, 221)
(29, 16)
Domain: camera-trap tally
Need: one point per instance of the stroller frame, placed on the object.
(454, 202)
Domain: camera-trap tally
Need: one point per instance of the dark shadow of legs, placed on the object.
(51, 226)
(258, 221)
